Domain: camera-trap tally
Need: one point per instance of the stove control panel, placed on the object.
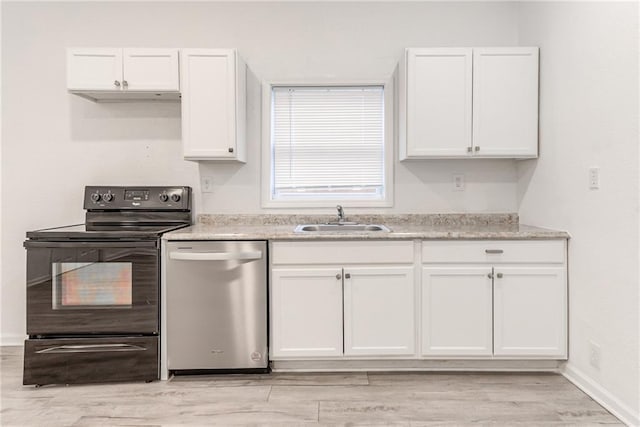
(137, 198)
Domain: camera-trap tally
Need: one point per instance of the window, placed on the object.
(327, 144)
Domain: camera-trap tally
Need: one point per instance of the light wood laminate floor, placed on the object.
(403, 399)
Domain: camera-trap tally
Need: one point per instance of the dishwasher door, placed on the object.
(216, 305)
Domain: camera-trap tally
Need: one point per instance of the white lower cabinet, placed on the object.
(505, 299)
(323, 309)
(379, 311)
(457, 318)
(306, 312)
(530, 312)
(368, 300)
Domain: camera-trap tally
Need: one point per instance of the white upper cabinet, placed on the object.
(468, 102)
(213, 85)
(438, 105)
(505, 102)
(123, 74)
(94, 69)
(151, 70)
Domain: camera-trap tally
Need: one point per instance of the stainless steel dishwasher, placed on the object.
(216, 305)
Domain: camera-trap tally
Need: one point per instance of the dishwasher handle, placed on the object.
(216, 256)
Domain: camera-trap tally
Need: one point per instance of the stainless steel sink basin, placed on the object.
(340, 227)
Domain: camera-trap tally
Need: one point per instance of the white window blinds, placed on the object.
(327, 142)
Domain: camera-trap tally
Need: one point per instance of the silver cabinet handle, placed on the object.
(215, 256)
(116, 83)
(125, 83)
(231, 149)
(469, 149)
(347, 276)
(490, 276)
(477, 148)
(91, 348)
(494, 251)
(338, 276)
(499, 275)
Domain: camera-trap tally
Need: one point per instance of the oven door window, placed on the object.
(81, 285)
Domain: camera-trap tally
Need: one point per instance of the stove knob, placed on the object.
(107, 197)
(175, 197)
(95, 197)
(163, 197)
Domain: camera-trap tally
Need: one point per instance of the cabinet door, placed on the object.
(306, 312)
(530, 312)
(505, 102)
(209, 80)
(151, 70)
(457, 310)
(379, 311)
(438, 97)
(94, 69)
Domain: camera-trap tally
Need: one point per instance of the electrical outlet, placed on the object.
(594, 355)
(458, 182)
(594, 178)
(206, 184)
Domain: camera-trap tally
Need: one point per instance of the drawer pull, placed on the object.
(499, 275)
(494, 251)
(91, 348)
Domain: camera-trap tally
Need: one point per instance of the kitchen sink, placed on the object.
(340, 227)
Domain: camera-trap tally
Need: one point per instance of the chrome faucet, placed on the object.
(340, 214)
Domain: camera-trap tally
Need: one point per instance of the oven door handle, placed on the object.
(89, 244)
(91, 348)
(216, 256)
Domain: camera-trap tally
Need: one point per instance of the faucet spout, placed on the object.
(340, 213)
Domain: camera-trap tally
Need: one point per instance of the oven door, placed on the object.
(92, 288)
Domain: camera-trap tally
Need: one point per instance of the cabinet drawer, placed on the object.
(494, 251)
(347, 252)
(90, 360)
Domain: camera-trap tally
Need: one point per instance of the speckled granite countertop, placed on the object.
(403, 227)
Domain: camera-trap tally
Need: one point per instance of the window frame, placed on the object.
(388, 145)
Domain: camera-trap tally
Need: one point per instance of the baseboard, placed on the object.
(12, 339)
(601, 395)
(416, 365)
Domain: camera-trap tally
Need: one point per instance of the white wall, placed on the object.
(55, 143)
(589, 117)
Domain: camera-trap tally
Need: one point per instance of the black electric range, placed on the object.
(93, 289)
